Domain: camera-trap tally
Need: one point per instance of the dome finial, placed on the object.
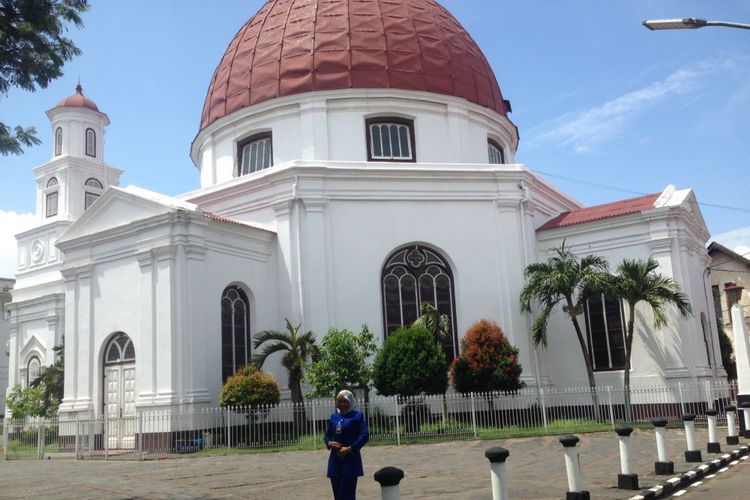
(79, 89)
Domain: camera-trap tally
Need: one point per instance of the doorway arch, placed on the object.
(119, 391)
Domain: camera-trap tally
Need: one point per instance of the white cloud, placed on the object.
(584, 132)
(11, 224)
(736, 239)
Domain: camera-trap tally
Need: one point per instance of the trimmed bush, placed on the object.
(411, 363)
(250, 387)
(488, 361)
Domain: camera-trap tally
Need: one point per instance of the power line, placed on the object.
(729, 260)
(629, 191)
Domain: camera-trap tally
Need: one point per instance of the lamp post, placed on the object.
(689, 23)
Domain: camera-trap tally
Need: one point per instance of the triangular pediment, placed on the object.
(118, 207)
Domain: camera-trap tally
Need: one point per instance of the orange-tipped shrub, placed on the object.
(488, 361)
(250, 387)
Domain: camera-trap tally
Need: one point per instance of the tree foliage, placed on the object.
(26, 402)
(564, 279)
(52, 382)
(411, 363)
(344, 361)
(488, 361)
(251, 388)
(635, 282)
(33, 50)
(296, 349)
(728, 360)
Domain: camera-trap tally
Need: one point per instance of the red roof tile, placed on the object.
(221, 218)
(598, 212)
(295, 46)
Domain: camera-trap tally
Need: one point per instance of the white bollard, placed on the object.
(663, 466)
(575, 490)
(626, 480)
(745, 407)
(732, 438)
(713, 443)
(497, 457)
(389, 479)
(692, 454)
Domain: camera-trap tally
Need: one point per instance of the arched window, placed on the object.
(33, 369)
(255, 153)
(51, 198)
(58, 141)
(495, 152)
(93, 191)
(414, 275)
(90, 142)
(235, 331)
(119, 350)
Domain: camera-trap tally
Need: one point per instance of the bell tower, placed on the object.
(76, 175)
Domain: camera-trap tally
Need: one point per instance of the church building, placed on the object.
(356, 159)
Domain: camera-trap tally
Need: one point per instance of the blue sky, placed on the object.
(606, 108)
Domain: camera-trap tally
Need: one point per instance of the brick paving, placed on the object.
(455, 470)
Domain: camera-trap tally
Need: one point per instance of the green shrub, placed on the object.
(411, 363)
(250, 387)
(488, 361)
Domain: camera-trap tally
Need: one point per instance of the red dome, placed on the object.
(78, 100)
(295, 46)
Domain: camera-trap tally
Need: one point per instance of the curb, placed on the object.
(677, 482)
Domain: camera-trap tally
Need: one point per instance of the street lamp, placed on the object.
(689, 23)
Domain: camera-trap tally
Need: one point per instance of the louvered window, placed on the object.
(58, 141)
(51, 204)
(90, 142)
(93, 191)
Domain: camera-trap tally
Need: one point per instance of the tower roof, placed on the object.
(78, 100)
(295, 46)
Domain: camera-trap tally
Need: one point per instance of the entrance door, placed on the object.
(119, 392)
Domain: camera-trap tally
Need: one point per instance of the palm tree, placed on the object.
(565, 279)
(637, 281)
(297, 349)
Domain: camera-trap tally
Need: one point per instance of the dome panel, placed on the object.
(295, 46)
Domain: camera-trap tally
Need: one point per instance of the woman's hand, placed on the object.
(334, 445)
(344, 451)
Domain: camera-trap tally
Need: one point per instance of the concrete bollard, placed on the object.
(626, 480)
(662, 466)
(713, 443)
(497, 457)
(745, 407)
(732, 438)
(572, 465)
(389, 479)
(693, 453)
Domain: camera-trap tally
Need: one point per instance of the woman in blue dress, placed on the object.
(347, 433)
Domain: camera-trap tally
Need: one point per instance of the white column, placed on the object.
(498, 475)
(741, 350)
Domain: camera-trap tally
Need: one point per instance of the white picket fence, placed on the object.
(391, 420)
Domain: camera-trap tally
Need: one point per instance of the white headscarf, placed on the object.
(349, 396)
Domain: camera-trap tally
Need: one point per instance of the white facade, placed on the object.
(308, 239)
(6, 285)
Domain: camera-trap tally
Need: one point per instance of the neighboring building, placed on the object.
(730, 279)
(355, 160)
(6, 285)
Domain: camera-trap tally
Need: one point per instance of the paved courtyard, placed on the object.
(456, 470)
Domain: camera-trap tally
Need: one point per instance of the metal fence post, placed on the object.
(6, 423)
(40, 438)
(544, 410)
(77, 427)
(682, 398)
(473, 416)
(398, 421)
(139, 416)
(314, 423)
(229, 428)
